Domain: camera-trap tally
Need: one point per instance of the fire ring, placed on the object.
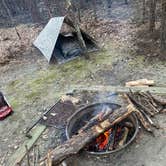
(77, 120)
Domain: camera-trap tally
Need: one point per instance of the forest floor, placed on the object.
(31, 84)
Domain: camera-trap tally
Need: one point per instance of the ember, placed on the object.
(103, 140)
(112, 139)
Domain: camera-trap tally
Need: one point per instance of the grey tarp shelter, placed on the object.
(50, 36)
(47, 38)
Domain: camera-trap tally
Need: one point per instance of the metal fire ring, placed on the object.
(77, 115)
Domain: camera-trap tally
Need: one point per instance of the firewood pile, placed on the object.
(146, 106)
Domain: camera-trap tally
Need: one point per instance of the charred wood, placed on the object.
(124, 137)
(103, 115)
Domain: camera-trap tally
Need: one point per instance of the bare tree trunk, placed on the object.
(94, 9)
(11, 18)
(163, 27)
(143, 10)
(152, 16)
(34, 11)
(48, 8)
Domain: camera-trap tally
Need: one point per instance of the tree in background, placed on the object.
(152, 15)
(34, 11)
(143, 10)
(163, 27)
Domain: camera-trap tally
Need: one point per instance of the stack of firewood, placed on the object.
(146, 106)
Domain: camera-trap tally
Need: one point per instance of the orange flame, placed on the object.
(103, 140)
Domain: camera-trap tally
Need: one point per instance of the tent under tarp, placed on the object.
(61, 47)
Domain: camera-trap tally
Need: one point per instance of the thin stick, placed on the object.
(34, 155)
(38, 155)
(140, 117)
(27, 152)
(139, 109)
(49, 160)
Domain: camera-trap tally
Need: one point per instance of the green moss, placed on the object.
(138, 61)
(15, 103)
(13, 84)
(55, 78)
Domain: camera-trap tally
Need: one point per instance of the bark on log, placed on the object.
(78, 142)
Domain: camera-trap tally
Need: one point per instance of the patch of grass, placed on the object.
(15, 103)
(33, 95)
(13, 84)
(138, 61)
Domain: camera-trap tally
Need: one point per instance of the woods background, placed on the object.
(24, 11)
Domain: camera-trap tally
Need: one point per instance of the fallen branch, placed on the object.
(124, 137)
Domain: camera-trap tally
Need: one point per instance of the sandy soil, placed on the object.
(31, 85)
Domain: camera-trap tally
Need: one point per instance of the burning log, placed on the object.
(128, 124)
(103, 115)
(114, 138)
(78, 142)
(110, 144)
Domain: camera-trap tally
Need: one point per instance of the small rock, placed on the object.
(6, 139)
(45, 136)
(15, 147)
(53, 114)
(39, 113)
(44, 118)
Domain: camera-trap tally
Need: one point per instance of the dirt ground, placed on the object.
(31, 85)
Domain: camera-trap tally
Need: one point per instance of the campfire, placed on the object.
(105, 128)
(115, 138)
